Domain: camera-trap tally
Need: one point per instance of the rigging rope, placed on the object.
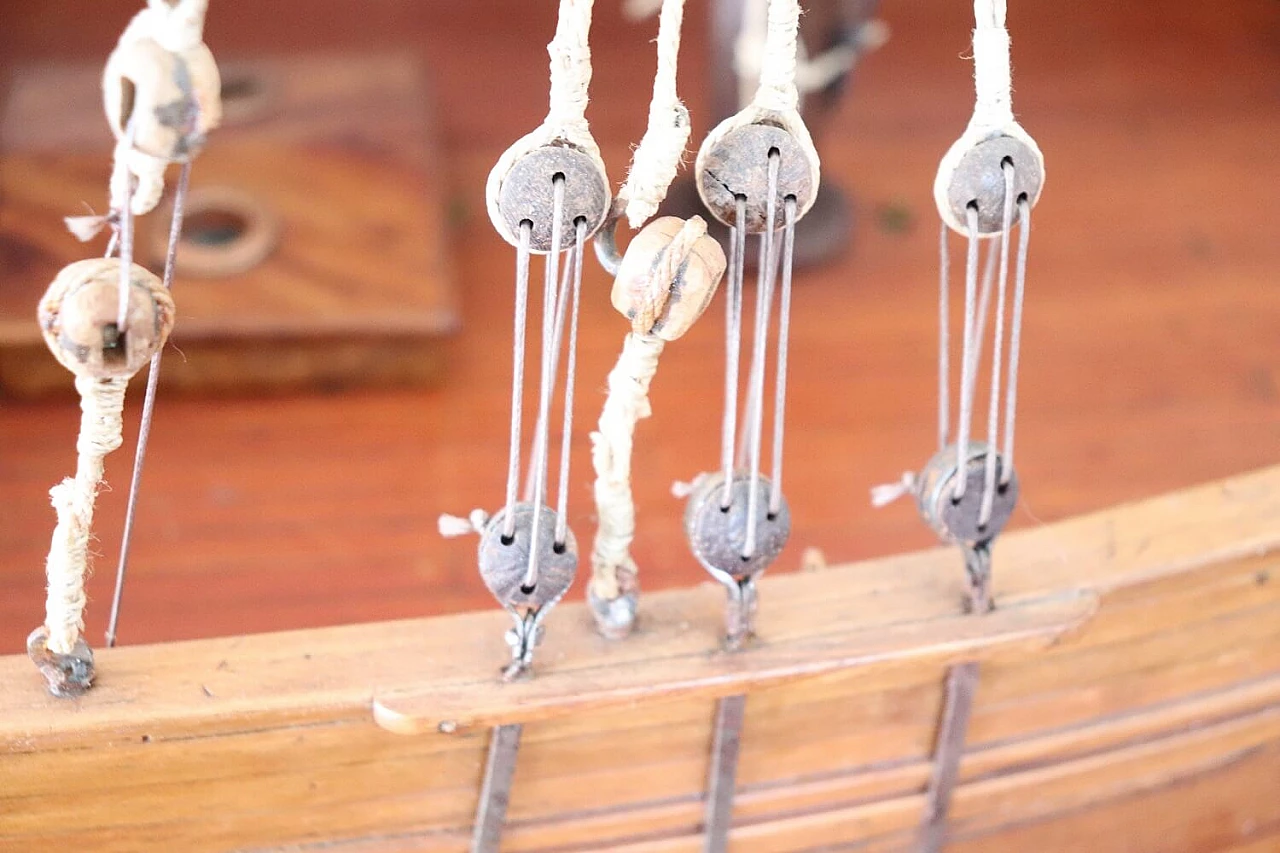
(566, 121)
(101, 425)
(657, 157)
(1015, 339)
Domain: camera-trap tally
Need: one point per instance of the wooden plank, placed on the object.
(317, 790)
(1033, 796)
(883, 609)
(423, 677)
(761, 803)
(284, 748)
(674, 663)
(1203, 809)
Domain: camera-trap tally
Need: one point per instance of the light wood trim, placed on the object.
(275, 733)
(419, 673)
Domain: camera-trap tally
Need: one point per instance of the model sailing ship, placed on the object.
(1125, 657)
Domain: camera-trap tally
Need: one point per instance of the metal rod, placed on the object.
(751, 406)
(517, 376)
(997, 354)
(968, 363)
(552, 317)
(495, 792)
(733, 346)
(944, 339)
(962, 684)
(148, 408)
(566, 277)
(784, 331)
(723, 777)
(977, 566)
(1015, 342)
(740, 614)
(764, 300)
(570, 376)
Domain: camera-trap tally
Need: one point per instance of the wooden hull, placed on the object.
(1129, 701)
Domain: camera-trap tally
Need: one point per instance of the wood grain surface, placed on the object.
(355, 292)
(1149, 348)
(1168, 693)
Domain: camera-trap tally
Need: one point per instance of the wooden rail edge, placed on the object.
(672, 659)
(441, 674)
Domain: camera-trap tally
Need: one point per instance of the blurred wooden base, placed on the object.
(336, 167)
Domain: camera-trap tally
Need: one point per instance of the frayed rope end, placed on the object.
(452, 526)
(85, 228)
(885, 494)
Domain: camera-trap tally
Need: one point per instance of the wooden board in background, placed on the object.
(333, 154)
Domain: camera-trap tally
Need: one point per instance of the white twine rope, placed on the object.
(626, 405)
(993, 103)
(102, 407)
(777, 90)
(611, 445)
(777, 98)
(814, 73)
(570, 68)
(658, 156)
(566, 120)
(175, 28)
(681, 489)
(570, 381)
(992, 70)
(733, 350)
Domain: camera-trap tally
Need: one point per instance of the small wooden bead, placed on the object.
(78, 315)
(658, 305)
(173, 97)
